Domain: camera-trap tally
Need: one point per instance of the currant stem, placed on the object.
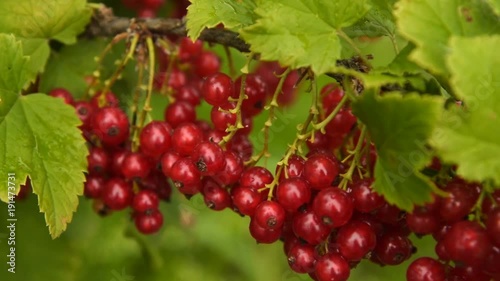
(119, 69)
(237, 110)
(165, 89)
(97, 73)
(321, 126)
(230, 62)
(347, 177)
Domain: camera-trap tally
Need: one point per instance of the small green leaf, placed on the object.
(39, 137)
(400, 128)
(469, 136)
(429, 24)
(302, 33)
(62, 20)
(203, 14)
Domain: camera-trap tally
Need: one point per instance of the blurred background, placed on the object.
(195, 242)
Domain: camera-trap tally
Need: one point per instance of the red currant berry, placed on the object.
(333, 206)
(145, 201)
(263, 235)
(301, 258)
(180, 112)
(332, 267)
(117, 194)
(355, 240)
(269, 214)
(136, 165)
(308, 227)
(110, 124)
(148, 223)
(467, 242)
(320, 171)
(208, 158)
(155, 138)
(293, 193)
(217, 89)
(426, 269)
(186, 137)
(215, 197)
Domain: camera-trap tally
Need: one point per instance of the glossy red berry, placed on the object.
(393, 248)
(217, 88)
(333, 206)
(150, 222)
(256, 177)
(84, 110)
(136, 165)
(145, 200)
(186, 137)
(179, 112)
(301, 258)
(207, 63)
(111, 126)
(117, 194)
(221, 117)
(256, 91)
(98, 161)
(467, 242)
(185, 173)
(293, 193)
(320, 171)
(263, 235)
(189, 94)
(426, 269)
(215, 197)
(93, 186)
(246, 199)
(308, 227)
(332, 267)
(155, 138)
(208, 158)
(355, 240)
(232, 170)
(167, 161)
(269, 214)
(365, 199)
(189, 49)
(107, 100)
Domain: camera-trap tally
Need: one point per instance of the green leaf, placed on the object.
(302, 33)
(203, 14)
(400, 128)
(39, 137)
(469, 136)
(378, 21)
(429, 24)
(62, 20)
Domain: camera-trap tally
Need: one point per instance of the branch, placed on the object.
(105, 24)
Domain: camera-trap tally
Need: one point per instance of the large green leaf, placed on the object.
(429, 24)
(209, 13)
(39, 137)
(302, 33)
(469, 136)
(400, 128)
